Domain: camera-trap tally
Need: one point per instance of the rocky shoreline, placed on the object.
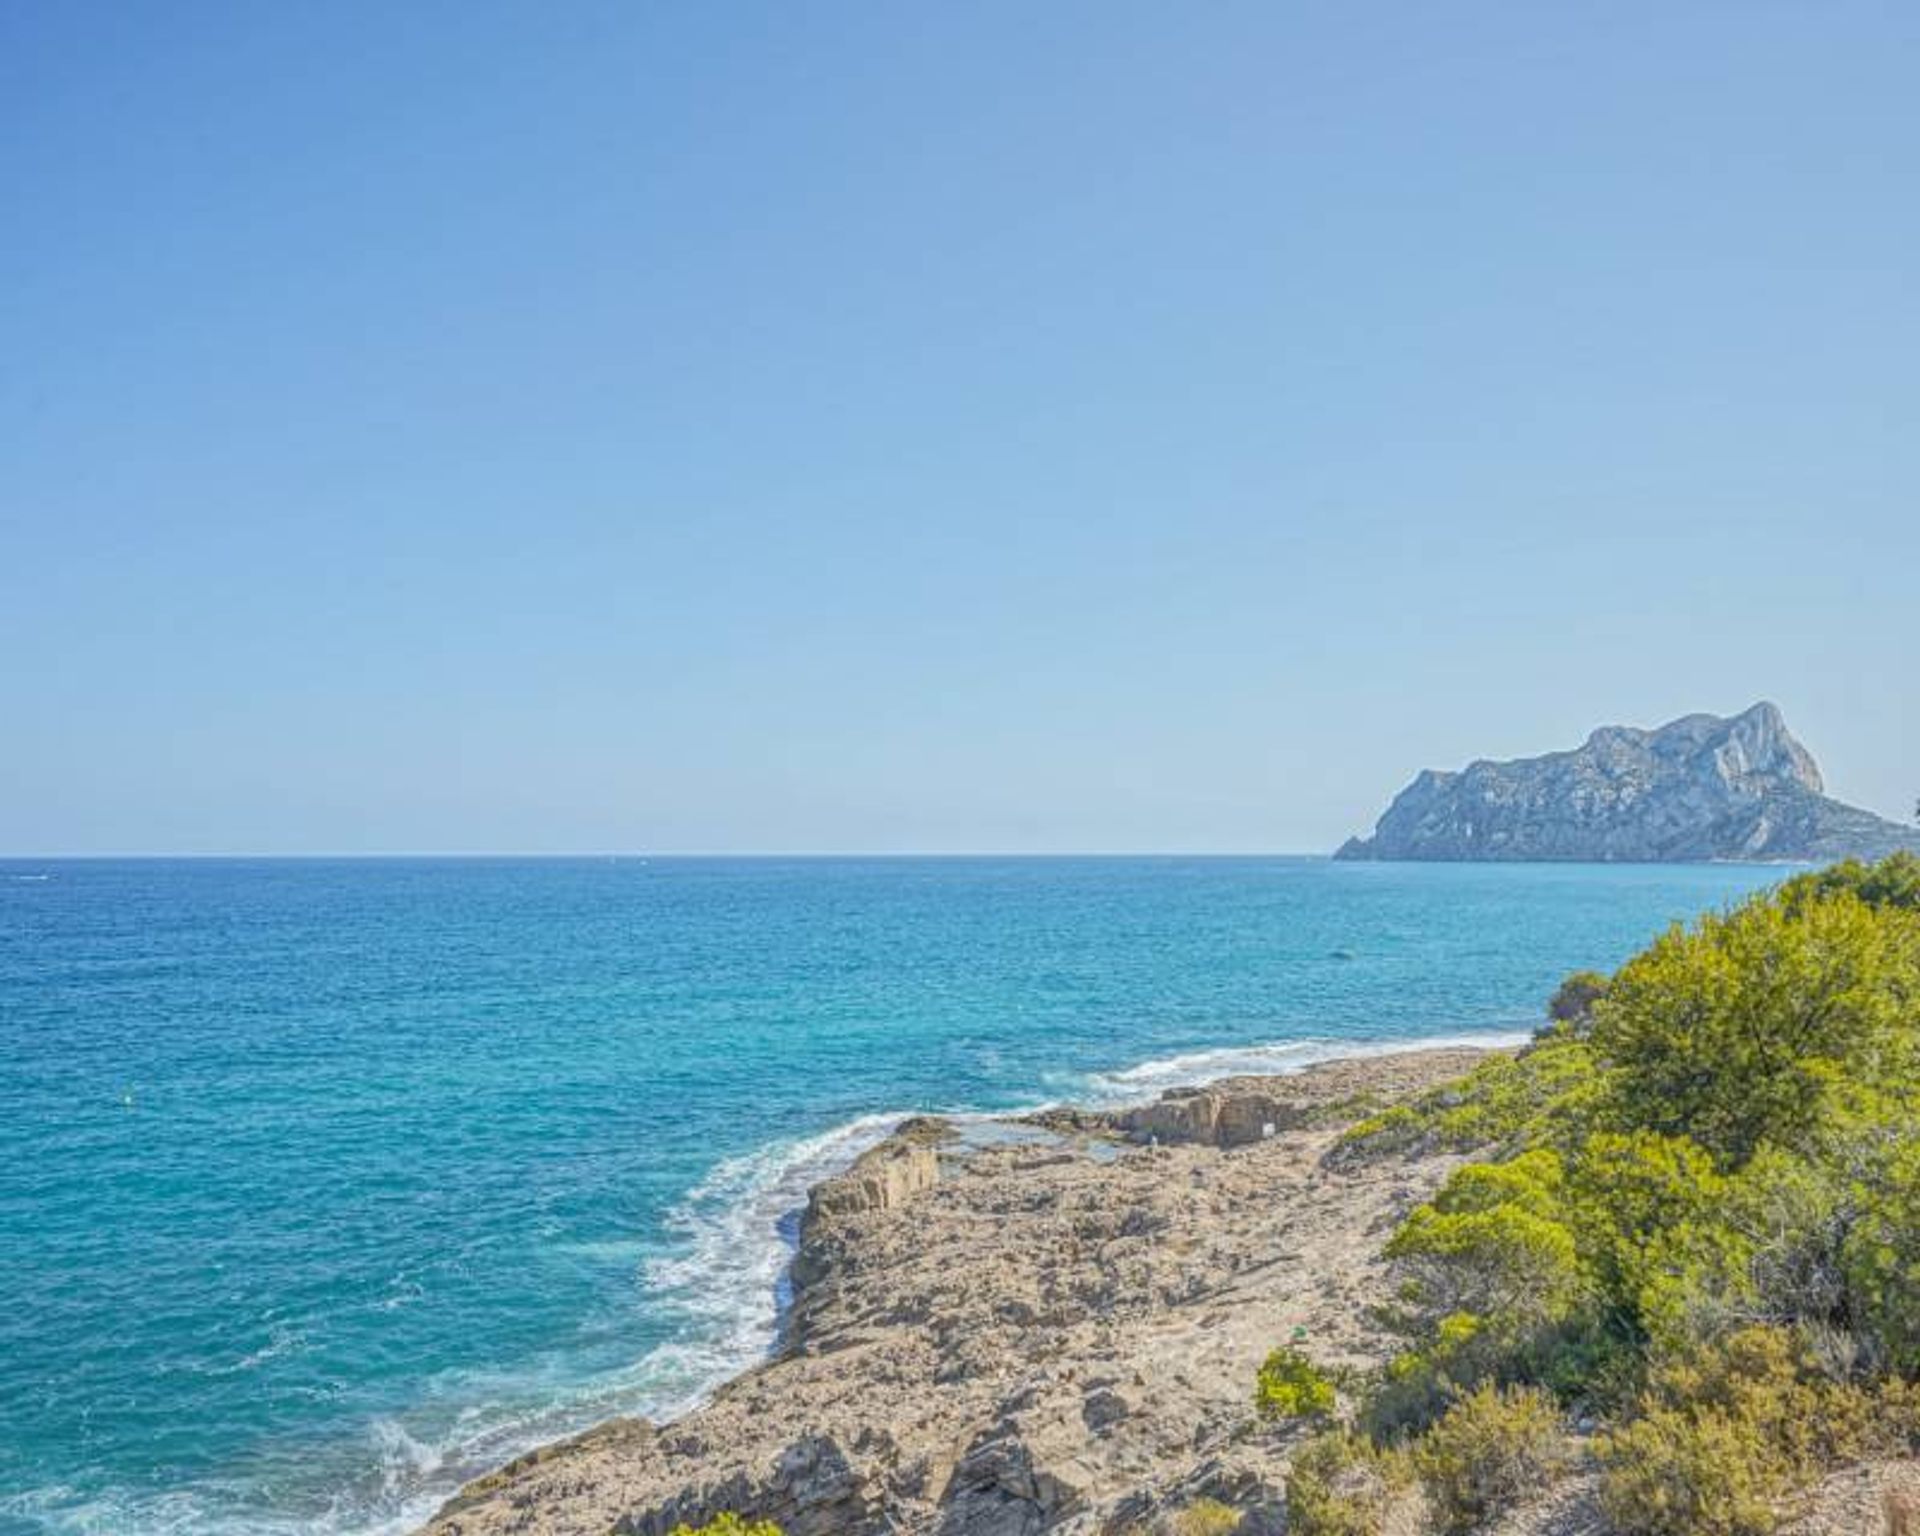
(1051, 1324)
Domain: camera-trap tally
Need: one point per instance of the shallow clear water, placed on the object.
(324, 1184)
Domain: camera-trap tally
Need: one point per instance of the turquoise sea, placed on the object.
(325, 1184)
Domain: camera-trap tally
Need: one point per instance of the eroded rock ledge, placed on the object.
(1057, 1333)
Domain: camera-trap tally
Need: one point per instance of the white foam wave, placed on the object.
(404, 1460)
(737, 1231)
(1151, 1078)
(723, 1288)
(59, 1507)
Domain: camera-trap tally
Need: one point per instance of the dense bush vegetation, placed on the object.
(1342, 1484)
(1719, 1437)
(1488, 1451)
(1697, 1217)
(1740, 1031)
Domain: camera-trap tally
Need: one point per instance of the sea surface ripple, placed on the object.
(327, 1184)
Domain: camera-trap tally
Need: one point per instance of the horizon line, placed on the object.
(620, 854)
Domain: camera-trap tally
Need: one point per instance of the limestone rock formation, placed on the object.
(1054, 1332)
(884, 1179)
(1699, 788)
(1235, 1112)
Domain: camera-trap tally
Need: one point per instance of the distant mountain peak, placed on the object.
(1697, 788)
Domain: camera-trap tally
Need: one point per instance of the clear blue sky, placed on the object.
(1001, 426)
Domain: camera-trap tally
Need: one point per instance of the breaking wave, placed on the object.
(720, 1292)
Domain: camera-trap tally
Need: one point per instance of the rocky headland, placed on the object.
(1698, 788)
(1053, 1325)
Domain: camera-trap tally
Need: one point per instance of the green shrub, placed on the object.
(1340, 1484)
(1646, 1210)
(1894, 882)
(1488, 1451)
(1797, 1212)
(1510, 1261)
(1531, 1181)
(1526, 1099)
(1724, 1436)
(1206, 1517)
(1880, 1257)
(1573, 1000)
(1675, 1473)
(1419, 1383)
(1490, 1283)
(1734, 1032)
(729, 1524)
(1895, 1427)
(1290, 1386)
(1833, 1233)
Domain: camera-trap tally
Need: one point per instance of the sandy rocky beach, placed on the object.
(1053, 1326)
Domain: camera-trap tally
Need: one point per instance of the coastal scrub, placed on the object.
(1696, 1220)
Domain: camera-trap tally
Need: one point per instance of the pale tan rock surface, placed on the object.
(1877, 1498)
(1056, 1334)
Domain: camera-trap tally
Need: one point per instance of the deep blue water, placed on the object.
(326, 1183)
